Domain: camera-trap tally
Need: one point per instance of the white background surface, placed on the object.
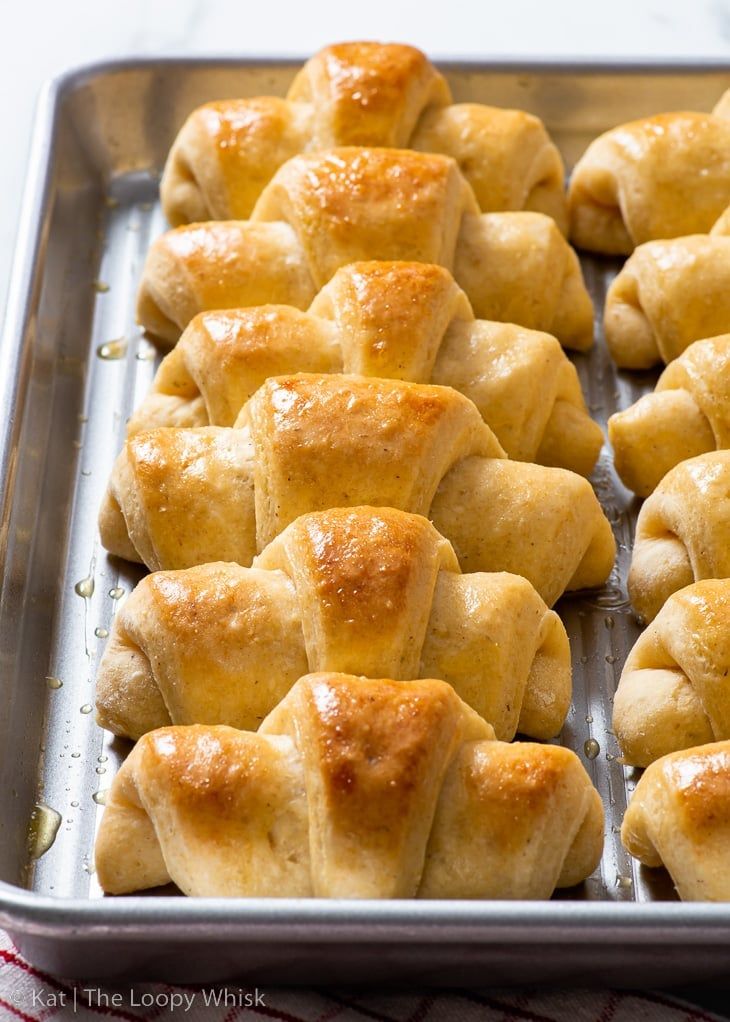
(41, 38)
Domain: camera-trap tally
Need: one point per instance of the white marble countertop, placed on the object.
(42, 38)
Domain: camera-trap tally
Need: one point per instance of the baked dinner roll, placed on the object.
(350, 789)
(365, 94)
(675, 688)
(679, 818)
(669, 294)
(688, 414)
(399, 320)
(367, 590)
(659, 177)
(180, 497)
(323, 210)
(682, 533)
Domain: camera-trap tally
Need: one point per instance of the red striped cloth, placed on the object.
(29, 995)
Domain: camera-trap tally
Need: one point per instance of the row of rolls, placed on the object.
(365, 460)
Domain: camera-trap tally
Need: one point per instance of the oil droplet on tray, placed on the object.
(100, 796)
(87, 708)
(116, 593)
(101, 287)
(85, 588)
(44, 824)
(146, 352)
(591, 748)
(624, 881)
(112, 350)
(101, 633)
(53, 682)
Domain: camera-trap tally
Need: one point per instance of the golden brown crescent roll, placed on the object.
(324, 210)
(679, 818)
(364, 94)
(668, 295)
(682, 533)
(351, 788)
(675, 688)
(659, 177)
(389, 319)
(688, 414)
(367, 590)
(180, 497)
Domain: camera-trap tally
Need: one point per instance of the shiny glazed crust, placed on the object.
(687, 415)
(668, 295)
(674, 691)
(310, 443)
(660, 177)
(679, 817)
(351, 788)
(367, 590)
(358, 94)
(400, 320)
(324, 210)
(682, 533)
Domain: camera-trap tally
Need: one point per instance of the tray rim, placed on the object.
(553, 64)
(398, 921)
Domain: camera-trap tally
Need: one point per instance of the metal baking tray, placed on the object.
(89, 214)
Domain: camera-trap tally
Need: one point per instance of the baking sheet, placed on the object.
(75, 364)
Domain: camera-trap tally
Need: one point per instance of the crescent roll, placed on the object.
(659, 177)
(350, 789)
(682, 533)
(389, 319)
(364, 590)
(364, 94)
(679, 818)
(324, 210)
(687, 415)
(674, 691)
(669, 294)
(181, 497)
